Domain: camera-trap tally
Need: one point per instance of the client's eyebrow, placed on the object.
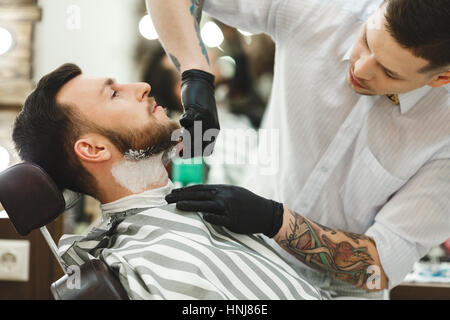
(108, 82)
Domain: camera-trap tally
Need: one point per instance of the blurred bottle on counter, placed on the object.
(187, 172)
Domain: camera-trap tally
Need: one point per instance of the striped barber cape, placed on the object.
(164, 253)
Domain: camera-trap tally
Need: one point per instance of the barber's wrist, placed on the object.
(199, 65)
(197, 74)
(277, 219)
(285, 224)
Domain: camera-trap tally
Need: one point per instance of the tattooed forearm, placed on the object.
(198, 8)
(343, 255)
(175, 62)
(195, 10)
(356, 237)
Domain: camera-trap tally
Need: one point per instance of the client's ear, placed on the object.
(440, 80)
(92, 149)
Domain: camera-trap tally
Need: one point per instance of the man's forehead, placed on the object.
(393, 56)
(81, 86)
(377, 20)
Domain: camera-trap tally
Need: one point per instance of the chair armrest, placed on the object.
(96, 282)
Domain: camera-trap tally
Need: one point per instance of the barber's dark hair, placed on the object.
(422, 26)
(45, 132)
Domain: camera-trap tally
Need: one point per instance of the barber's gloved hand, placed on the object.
(235, 208)
(197, 97)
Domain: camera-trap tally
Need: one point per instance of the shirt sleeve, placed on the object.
(255, 16)
(416, 219)
(281, 18)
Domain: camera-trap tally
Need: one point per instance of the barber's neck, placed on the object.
(127, 177)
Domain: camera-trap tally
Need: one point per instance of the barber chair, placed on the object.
(32, 200)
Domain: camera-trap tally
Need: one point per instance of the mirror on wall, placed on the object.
(17, 19)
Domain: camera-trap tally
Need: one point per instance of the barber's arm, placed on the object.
(345, 255)
(178, 30)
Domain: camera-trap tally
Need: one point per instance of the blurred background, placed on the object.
(116, 38)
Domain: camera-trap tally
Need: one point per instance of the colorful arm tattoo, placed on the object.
(343, 255)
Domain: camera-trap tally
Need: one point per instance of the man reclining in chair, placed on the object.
(98, 137)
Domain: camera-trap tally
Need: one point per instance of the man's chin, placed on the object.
(366, 93)
(155, 139)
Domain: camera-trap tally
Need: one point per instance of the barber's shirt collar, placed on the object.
(146, 199)
(408, 99)
(346, 56)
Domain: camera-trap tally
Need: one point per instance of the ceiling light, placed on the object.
(147, 29)
(6, 40)
(211, 34)
(227, 66)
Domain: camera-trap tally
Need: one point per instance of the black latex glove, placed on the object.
(197, 97)
(235, 208)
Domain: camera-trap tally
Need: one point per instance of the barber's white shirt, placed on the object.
(347, 161)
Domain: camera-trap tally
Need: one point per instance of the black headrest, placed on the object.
(30, 197)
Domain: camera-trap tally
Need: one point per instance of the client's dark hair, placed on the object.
(422, 26)
(45, 132)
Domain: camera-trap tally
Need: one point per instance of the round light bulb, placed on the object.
(6, 40)
(211, 34)
(147, 29)
(227, 66)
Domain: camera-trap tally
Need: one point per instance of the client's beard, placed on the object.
(150, 140)
(145, 155)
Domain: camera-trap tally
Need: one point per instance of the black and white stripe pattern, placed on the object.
(163, 253)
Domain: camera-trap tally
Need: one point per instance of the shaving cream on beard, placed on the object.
(139, 173)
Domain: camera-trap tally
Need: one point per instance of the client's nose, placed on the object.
(142, 90)
(364, 68)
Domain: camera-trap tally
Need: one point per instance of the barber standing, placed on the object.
(360, 102)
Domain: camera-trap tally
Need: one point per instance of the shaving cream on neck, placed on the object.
(139, 175)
